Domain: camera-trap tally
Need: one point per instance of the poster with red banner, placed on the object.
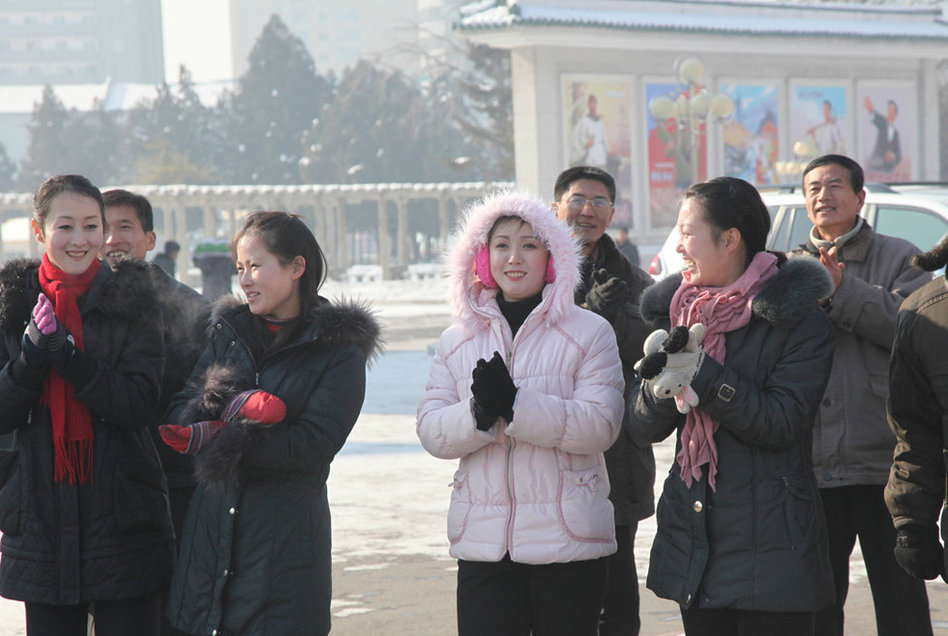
(676, 144)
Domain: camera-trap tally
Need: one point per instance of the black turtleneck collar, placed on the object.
(516, 311)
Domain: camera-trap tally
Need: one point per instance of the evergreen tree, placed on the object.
(472, 87)
(7, 168)
(66, 141)
(484, 107)
(174, 126)
(379, 127)
(46, 154)
(275, 102)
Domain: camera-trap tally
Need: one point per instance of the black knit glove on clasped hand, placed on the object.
(61, 346)
(919, 552)
(482, 420)
(34, 347)
(607, 295)
(493, 388)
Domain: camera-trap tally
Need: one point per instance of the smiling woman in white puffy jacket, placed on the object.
(526, 390)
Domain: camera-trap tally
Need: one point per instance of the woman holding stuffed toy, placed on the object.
(270, 402)
(83, 500)
(741, 542)
(526, 390)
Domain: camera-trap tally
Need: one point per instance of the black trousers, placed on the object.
(516, 599)
(901, 601)
(735, 622)
(139, 616)
(620, 611)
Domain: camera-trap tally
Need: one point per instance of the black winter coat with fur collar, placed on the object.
(109, 539)
(759, 541)
(255, 555)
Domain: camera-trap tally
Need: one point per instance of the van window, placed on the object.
(791, 230)
(921, 227)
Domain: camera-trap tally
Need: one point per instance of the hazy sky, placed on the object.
(197, 34)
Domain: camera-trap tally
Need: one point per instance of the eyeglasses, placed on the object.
(577, 203)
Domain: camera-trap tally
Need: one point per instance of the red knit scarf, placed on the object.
(72, 424)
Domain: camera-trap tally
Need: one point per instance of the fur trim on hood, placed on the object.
(343, 321)
(467, 292)
(129, 290)
(785, 300)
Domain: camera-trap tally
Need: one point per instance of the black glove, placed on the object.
(493, 388)
(60, 346)
(482, 420)
(35, 347)
(919, 552)
(607, 295)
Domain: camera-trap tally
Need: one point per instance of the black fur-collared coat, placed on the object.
(111, 538)
(757, 542)
(255, 553)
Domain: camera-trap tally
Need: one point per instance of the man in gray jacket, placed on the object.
(852, 443)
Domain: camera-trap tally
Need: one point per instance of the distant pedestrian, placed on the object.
(166, 260)
(83, 501)
(255, 557)
(741, 543)
(526, 391)
(625, 245)
(918, 412)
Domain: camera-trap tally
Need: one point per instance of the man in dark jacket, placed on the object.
(852, 444)
(918, 415)
(185, 314)
(584, 197)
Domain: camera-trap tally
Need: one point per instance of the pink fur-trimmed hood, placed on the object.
(467, 292)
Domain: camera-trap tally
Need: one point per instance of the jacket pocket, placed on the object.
(140, 497)
(800, 510)
(583, 504)
(879, 383)
(460, 509)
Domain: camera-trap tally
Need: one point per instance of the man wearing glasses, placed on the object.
(610, 285)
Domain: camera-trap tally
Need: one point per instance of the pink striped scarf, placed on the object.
(720, 310)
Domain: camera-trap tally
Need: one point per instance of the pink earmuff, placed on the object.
(550, 272)
(482, 268)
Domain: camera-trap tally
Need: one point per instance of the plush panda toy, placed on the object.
(671, 376)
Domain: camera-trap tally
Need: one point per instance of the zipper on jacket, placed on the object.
(511, 443)
(257, 365)
(511, 497)
(253, 359)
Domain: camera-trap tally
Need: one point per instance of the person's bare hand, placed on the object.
(833, 265)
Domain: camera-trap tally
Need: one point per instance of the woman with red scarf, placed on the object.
(741, 542)
(83, 500)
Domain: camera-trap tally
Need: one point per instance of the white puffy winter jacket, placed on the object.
(535, 487)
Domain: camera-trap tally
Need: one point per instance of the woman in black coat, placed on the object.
(255, 555)
(741, 541)
(83, 500)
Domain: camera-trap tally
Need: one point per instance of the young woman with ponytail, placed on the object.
(83, 500)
